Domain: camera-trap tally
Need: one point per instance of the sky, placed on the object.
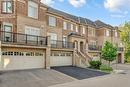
(114, 12)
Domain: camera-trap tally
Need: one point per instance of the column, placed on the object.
(48, 53)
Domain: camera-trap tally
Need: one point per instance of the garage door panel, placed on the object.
(23, 62)
(60, 60)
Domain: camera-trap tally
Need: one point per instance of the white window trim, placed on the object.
(77, 28)
(116, 33)
(52, 21)
(72, 27)
(107, 33)
(35, 5)
(65, 25)
(8, 24)
(83, 30)
(6, 10)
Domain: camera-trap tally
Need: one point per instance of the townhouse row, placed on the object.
(34, 35)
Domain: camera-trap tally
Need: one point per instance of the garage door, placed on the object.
(22, 60)
(60, 59)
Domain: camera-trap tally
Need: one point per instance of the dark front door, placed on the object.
(119, 58)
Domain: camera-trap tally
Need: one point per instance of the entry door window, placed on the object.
(64, 41)
(7, 34)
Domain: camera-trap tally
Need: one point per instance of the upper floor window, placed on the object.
(83, 30)
(32, 33)
(116, 34)
(72, 27)
(77, 29)
(107, 33)
(91, 31)
(52, 21)
(65, 25)
(92, 43)
(32, 9)
(7, 7)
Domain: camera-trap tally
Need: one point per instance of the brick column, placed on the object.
(48, 53)
(74, 58)
(123, 57)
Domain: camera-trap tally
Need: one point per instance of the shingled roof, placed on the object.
(81, 20)
(100, 24)
(66, 15)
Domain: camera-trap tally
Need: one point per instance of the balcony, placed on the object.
(22, 39)
(121, 49)
(62, 44)
(94, 48)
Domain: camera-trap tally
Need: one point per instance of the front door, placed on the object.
(119, 58)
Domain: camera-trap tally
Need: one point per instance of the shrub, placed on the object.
(95, 64)
(106, 68)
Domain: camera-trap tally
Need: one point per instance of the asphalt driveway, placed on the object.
(111, 80)
(33, 78)
(79, 73)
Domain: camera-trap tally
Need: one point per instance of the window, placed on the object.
(32, 9)
(107, 33)
(53, 38)
(32, 33)
(7, 7)
(65, 41)
(83, 30)
(65, 25)
(91, 31)
(77, 29)
(7, 34)
(116, 34)
(72, 26)
(93, 43)
(52, 21)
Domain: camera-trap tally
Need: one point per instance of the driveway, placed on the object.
(110, 80)
(33, 78)
(79, 73)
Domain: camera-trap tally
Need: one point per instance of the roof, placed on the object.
(75, 18)
(100, 24)
(81, 20)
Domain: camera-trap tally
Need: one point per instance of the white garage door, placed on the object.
(22, 60)
(61, 59)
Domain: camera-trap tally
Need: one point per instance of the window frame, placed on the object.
(72, 26)
(115, 33)
(76, 28)
(107, 33)
(50, 19)
(12, 7)
(83, 30)
(65, 25)
(35, 6)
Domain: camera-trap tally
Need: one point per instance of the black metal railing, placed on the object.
(93, 47)
(22, 39)
(62, 44)
(120, 49)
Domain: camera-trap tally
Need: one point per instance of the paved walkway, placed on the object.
(112, 80)
(33, 78)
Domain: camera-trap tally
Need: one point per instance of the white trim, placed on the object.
(8, 24)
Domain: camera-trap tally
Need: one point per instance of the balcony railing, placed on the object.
(62, 44)
(120, 49)
(94, 47)
(22, 39)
